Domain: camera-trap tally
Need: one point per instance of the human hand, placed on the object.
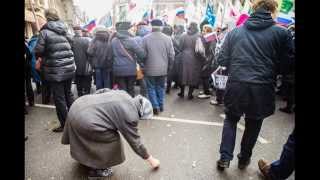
(154, 163)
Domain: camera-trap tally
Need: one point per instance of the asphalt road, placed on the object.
(185, 138)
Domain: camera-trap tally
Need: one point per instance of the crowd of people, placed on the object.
(252, 56)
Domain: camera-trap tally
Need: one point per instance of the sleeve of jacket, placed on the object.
(171, 54)
(90, 52)
(41, 44)
(129, 130)
(286, 59)
(138, 50)
(224, 55)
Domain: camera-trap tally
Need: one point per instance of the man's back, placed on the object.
(159, 49)
(54, 46)
(253, 52)
(79, 48)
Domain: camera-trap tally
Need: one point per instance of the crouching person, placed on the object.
(93, 125)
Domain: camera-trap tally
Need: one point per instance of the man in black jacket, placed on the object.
(84, 69)
(54, 47)
(253, 55)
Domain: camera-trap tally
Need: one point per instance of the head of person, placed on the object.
(207, 28)
(157, 25)
(123, 26)
(77, 30)
(51, 14)
(193, 28)
(167, 30)
(144, 106)
(85, 32)
(178, 29)
(268, 5)
(143, 29)
(101, 33)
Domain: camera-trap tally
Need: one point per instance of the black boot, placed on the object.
(222, 164)
(181, 94)
(100, 172)
(243, 163)
(155, 111)
(190, 96)
(58, 129)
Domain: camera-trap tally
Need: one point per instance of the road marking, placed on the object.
(45, 106)
(239, 126)
(159, 118)
(186, 121)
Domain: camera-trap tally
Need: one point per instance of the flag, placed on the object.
(91, 25)
(106, 20)
(209, 15)
(286, 6)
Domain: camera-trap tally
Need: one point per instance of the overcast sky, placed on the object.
(94, 8)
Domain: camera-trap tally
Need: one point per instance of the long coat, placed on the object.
(93, 125)
(190, 64)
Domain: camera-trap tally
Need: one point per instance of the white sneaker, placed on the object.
(203, 96)
(214, 102)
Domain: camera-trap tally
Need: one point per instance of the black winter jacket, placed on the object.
(257, 51)
(54, 47)
(99, 52)
(79, 47)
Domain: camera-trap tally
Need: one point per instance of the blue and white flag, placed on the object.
(209, 15)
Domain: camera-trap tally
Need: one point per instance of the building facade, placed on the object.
(65, 10)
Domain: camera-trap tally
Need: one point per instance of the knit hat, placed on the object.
(51, 14)
(123, 26)
(145, 107)
(156, 22)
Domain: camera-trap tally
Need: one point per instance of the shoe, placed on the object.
(190, 97)
(201, 92)
(285, 110)
(180, 95)
(215, 103)
(222, 164)
(161, 109)
(31, 103)
(25, 138)
(243, 163)
(101, 172)
(264, 168)
(155, 111)
(168, 91)
(58, 129)
(203, 96)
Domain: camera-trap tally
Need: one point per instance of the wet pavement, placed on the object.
(185, 138)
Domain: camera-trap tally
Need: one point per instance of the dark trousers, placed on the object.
(103, 78)
(156, 90)
(143, 87)
(191, 89)
(63, 98)
(45, 92)
(249, 138)
(83, 84)
(206, 85)
(28, 88)
(219, 96)
(283, 168)
(126, 83)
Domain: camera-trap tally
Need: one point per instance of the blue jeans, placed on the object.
(249, 138)
(156, 88)
(283, 168)
(103, 78)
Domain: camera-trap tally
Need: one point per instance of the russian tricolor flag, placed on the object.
(91, 25)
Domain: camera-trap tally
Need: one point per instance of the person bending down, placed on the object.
(93, 125)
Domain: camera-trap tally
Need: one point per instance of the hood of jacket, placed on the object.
(56, 26)
(261, 19)
(123, 34)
